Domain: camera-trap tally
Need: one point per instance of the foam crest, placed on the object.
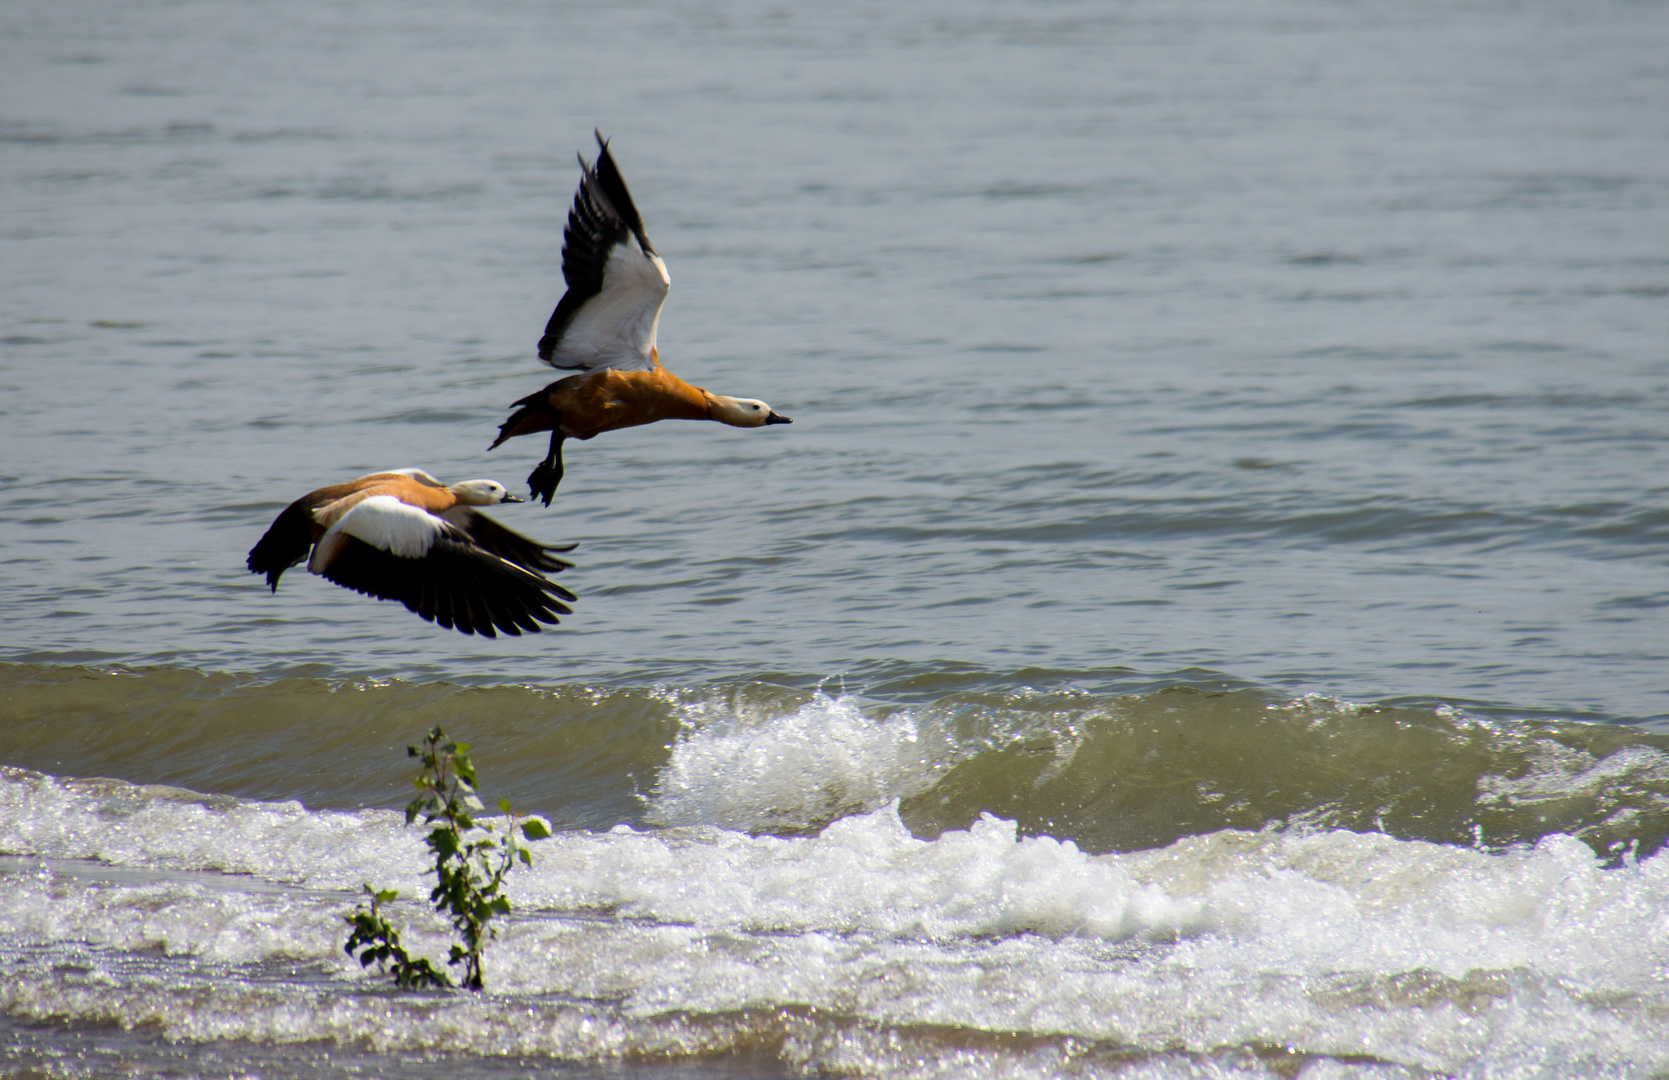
(797, 769)
(688, 940)
(862, 874)
(173, 918)
(170, 828)
(1341, 901)
(1338, 899)
(1559, 773)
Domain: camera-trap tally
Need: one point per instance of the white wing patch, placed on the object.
(616, 328)
(415, 474)
(384, 522)
(420, 476)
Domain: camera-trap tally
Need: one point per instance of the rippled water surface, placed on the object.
(1226, 486)
(1316, 345)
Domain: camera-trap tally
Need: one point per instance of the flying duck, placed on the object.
(405, 536)
(604, 328)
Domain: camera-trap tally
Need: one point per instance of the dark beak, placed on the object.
(777, 418)
(512, 498)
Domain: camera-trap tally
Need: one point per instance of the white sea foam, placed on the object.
(824, 759)
(1560, 772)
(151, 826)
(1535, 961)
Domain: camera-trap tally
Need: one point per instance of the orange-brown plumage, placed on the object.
(405, 536)
(605, 328)
(607, 400)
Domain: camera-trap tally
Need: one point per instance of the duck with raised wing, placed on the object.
(604, 328)
(403, 535)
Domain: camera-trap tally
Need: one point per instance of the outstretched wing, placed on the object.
(457, 585)
(392, 551)
(616, 282)
(508, 544)
(288, 539)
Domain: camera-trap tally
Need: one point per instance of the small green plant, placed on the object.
(469, 870)
(382, 946)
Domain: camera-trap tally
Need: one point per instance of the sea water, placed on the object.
(1207, 616)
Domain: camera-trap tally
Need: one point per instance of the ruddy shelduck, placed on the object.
(604, 328)
(403, 535)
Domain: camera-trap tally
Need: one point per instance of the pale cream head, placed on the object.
(481, 493)
(742, 412)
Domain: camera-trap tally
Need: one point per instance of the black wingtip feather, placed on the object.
(459, 585)
(512, 546)
(613, 184)
(601, 216)
(284, 544)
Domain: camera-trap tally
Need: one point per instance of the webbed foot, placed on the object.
(542, 481)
